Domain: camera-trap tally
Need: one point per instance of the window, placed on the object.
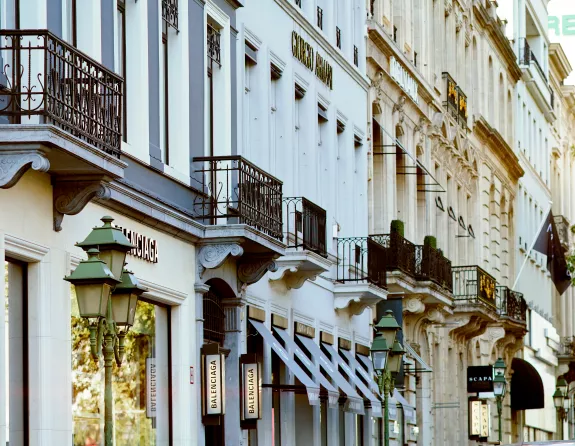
(355, 56)
(319, 17)
(121, 52)
(214, 62)
(15, 372)
(395, 34)
(164, 102)
(298, 3)
(338, 37)
(147, 352)
(321, 122)
(415, 58)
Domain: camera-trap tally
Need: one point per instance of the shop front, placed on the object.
(55, 385)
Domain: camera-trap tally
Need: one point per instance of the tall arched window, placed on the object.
(491, 91)
(509, 117)
(214, 318)
(501, 106)
(475, 78)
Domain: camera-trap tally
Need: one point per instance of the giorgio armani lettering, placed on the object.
(304, 52)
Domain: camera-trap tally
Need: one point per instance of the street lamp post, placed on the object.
(499, 388)
(386, 362)
(561, 401)
(107, 295)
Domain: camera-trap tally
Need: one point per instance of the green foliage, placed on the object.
(430, 240)
(397, 226)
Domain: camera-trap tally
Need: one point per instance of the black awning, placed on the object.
(526, 386)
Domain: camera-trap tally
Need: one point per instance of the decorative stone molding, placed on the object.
(15, 163)
(212, 256)
(467, 327)
(253, 268)
(448, 7)
(356, 297)
(298, 266)
(232, 311)
(413, 305)
(458, 21)
(71, 195)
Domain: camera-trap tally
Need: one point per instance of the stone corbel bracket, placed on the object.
(295, 268)
(15, 163)
(253, 268)
(213, 256)
(72, 194)
(466, 327)
(356, 299)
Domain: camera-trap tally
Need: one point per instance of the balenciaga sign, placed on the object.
(305, 53)
(404, 79)
(480, 379)
(145, 248)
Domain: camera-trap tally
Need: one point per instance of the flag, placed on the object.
(548, 243)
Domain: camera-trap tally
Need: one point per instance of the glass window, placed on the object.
(15, 354)
(140, 386)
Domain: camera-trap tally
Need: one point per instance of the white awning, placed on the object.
(354, 401)
(411, 352)
(311, 387)
(332, 392)
(367, 393)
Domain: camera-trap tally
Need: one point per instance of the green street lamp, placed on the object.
(107, 295)
(499, 389)
(561, 401)
(386, 361)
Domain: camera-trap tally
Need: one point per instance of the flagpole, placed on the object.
(532, 245)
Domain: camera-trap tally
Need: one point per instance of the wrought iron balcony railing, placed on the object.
(361, 259)
(526, 56)
(567, 346)
(431, 265)
(237, 191)
(305, 225)
(473, 285)
(44, 76)
(400, 252)
(511, 304)
(455, 101)
(562, 225)
(170, 13)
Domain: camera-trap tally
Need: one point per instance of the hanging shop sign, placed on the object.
(474, 418)
(480, 379)
(485, 420)
(213, 379)
(404, 79)
(251, 388)
(305, 53)
(151, 388)
(145, 248)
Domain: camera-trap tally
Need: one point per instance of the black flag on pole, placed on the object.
(548, 243)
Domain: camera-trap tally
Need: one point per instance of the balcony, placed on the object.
(400, 260)
(361, 273)
(431, 265)
(511, 304)
(562, 225)
(235, 191)
(536, 79)
(455, 101)
(566, 349)
(473, 286)
(61, 112)
(305, 238)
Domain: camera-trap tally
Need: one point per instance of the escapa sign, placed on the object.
(251, 391)
(480, 379)
(305, 53)
(213, 398)
(404, 79)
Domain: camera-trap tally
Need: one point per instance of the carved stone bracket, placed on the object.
(253, 268)
(15, 163)
(71, 195)
(214, 255)
(295, 268)
(356, 298)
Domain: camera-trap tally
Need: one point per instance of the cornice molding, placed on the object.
(559, 62)
(499, 147)
(325, 45)
(493, 27)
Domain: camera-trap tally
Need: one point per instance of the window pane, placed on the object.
(140, 385)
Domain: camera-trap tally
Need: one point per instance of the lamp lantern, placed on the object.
(395, 358)
(93, 282)
(562, 385)
(499, 385)
(112, 244)
(125, 298)
(388, 327)
(499, 368)
(558, 398)
(379, 353)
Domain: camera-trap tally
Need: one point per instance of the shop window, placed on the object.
(15, 373)
(141, 385)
